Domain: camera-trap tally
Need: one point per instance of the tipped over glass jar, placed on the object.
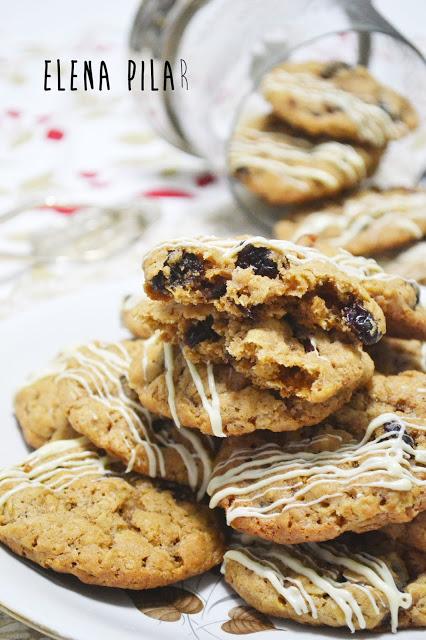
(227, 47)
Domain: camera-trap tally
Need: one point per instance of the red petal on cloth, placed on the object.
(205, 179)
(64, 209)
(166, 193)
(13, 113)
(54, 134)
(98, 183)
(88, 174)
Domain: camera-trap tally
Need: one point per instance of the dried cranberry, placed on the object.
(215, 289)
(393, 428)
(251, 313)
(158, 283)
(200, 332)
(333, 68)
(362, 322)
(186, 270)
(258, 258)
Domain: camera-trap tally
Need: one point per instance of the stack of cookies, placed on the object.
(327, 128)
(279, 350)
(285, 382)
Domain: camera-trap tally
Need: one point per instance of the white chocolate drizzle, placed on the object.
(211, 406)
(295, 163)
(147, 345)
(102, 371)
(290, 570)
(54, 466)
(297, 255)
(374, 124)
(386, 461)
(402, 211)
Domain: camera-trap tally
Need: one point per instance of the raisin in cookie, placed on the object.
(111, 530)
(403, 393)
(326, 288)
(398, 297)
(258, 278)
(331, 584)
(318, 483)
(272, 353)
(90, 393)
(283, 167)
(335, 99)
(368, 223)
(217, 399)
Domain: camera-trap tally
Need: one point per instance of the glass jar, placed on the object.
(228, 45)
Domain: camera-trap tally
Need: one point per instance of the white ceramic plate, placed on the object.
(61, 606)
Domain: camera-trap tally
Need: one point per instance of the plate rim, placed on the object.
(30, 623)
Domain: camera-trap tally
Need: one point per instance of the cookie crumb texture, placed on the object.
(318, 286)
(41, 414)
(270, 278)
(272, 353)
(90, 395)
(110, 531)
(218, 400)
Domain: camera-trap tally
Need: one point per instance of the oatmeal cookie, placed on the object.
(272, 353)
(329, 584)
(318, 483)
(404, 393)
(392, 355)
(412, 534)
(41, 414)
(398, 297)
(256, 277)
(64, 510)
(129, 316)
(410, 263)
(91, 390)
(217, 399)
(281, 166)
(335, 99)
(368, 223)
